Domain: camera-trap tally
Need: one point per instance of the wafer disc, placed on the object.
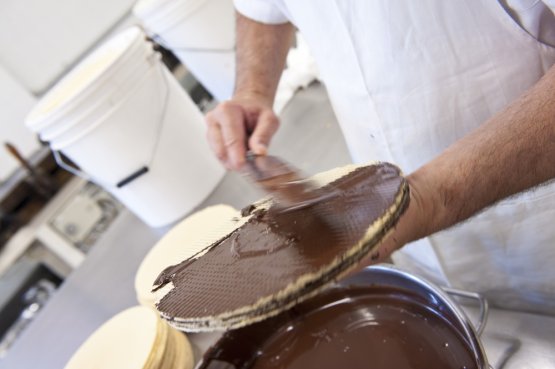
(275, 259)
(186, 239)
(136, 338)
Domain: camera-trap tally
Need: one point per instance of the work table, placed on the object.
(104, 283)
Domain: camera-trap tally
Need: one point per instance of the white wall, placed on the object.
(40, 39)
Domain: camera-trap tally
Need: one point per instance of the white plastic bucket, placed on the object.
(201, 33)
(99, 71)
(102, 100)
(151, 8)
(163, 14)
(142, 138)
(126, 121)
(220, 81)
(183, 171)
(210, 26)
(206, 24)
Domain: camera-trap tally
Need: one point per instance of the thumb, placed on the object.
(264, 130)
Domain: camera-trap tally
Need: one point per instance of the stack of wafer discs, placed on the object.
(136, 338)
(272, 259)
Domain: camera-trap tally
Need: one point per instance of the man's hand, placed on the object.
(240, 124)
(247, 121)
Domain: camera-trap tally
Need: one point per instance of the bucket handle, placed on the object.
(484, 306)
(79, 173)
(139, 172)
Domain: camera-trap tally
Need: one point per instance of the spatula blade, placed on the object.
(282, 181)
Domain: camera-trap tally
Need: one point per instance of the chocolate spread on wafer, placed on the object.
(374, 328)
(277, 258)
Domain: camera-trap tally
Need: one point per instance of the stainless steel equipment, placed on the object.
(416, 294)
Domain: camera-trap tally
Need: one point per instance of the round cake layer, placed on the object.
(125, 341)
(183, 241)
(276, 259)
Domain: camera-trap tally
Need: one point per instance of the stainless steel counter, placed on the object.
(103, 284)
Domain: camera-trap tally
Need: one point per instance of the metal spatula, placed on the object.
(279, 179)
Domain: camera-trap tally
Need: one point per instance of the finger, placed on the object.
(266, 127)
(232, 123)
(216, 141)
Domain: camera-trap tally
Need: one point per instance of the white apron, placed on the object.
(408, 78)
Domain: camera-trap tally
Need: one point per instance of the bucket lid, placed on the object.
(94, 107)
(147, 8)
(152, 9)
(159, 16)
(83, 127)
(84, 76)
(111, 86)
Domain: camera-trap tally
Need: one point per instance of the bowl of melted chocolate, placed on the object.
(382, 317)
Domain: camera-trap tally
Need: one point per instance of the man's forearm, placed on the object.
(261, 53)
(511, 152)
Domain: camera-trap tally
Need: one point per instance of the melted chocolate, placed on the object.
(347, 327)
(274, 249)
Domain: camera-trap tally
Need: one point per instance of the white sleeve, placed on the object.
(263, 11)
(550, 4)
